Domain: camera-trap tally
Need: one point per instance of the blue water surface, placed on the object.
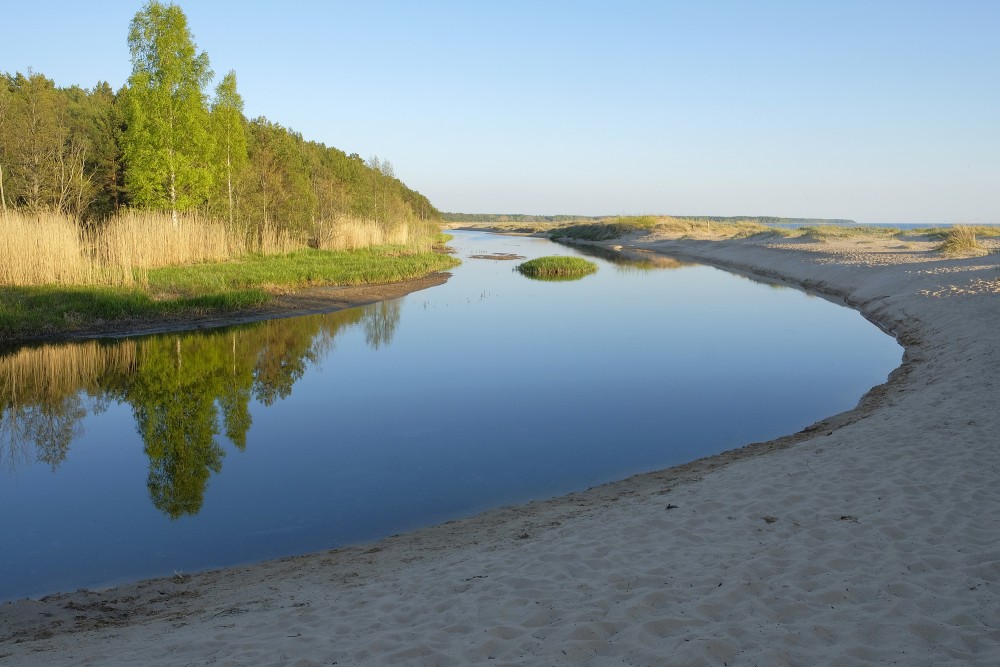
(191, 451)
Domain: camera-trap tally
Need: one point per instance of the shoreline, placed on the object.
(309, 301)
(872, 539)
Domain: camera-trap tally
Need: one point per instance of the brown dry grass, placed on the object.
(54, 249)
(961, 241)
(54, 371)
(351, 233)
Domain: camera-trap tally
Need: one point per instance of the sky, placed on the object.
(871, 110)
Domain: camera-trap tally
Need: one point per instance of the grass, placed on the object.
(52, 309)
(834, 232)
(301, 268)
(57, 277)
(961, 241)
(176, 292)
(557, 268)
(51, 249)
(613, 228)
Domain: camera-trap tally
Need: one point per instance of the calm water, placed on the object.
(140, 457)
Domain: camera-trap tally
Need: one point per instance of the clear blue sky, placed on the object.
(880, 111)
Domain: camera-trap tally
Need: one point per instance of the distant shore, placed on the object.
(870, 537)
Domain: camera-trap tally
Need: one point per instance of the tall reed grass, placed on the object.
(38, 249)
(54, 249)
(351, 233)
(48, 373)
(961, 241)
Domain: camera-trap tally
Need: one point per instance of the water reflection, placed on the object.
(495, 391)
(633, 261)
(185, 390)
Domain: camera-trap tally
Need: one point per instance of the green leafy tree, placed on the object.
(280, 189)
(167, 144)
(104, 156)
(228, 127)
(5, 102)
(42, 140)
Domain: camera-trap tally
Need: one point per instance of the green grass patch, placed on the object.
(299, 269)
(174, 292)
(50, 310)
(557, 268)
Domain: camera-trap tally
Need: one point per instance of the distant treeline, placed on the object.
(516, 217)
(164, 142)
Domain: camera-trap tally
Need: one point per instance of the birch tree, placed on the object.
(230, 135)
(167, 145)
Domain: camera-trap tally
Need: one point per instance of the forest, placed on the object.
(167, 142)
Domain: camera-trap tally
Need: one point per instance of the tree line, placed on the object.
(165, 142)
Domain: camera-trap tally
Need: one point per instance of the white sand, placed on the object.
(872, 538)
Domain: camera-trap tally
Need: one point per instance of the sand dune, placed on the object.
(871, 538)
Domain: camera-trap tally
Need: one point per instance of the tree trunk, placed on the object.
(173, 173)
(229, 179)
(173, 197)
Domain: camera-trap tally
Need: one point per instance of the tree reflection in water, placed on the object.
(184, 389)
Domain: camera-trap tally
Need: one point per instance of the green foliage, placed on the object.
(229, 129)
(167, 144)
(302, 184)
(557, 268)
(53, 144)
(156, 144)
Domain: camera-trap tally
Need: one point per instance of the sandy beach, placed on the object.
(872, 537)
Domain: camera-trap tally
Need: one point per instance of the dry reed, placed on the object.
(53, 249)
(52, 372)
(39, 390)
(40, 249)
(961, 241)
(351, 233)
(150, 240)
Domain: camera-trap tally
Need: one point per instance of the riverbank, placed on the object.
(50, 313)
(870, 537)
(308, 301)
